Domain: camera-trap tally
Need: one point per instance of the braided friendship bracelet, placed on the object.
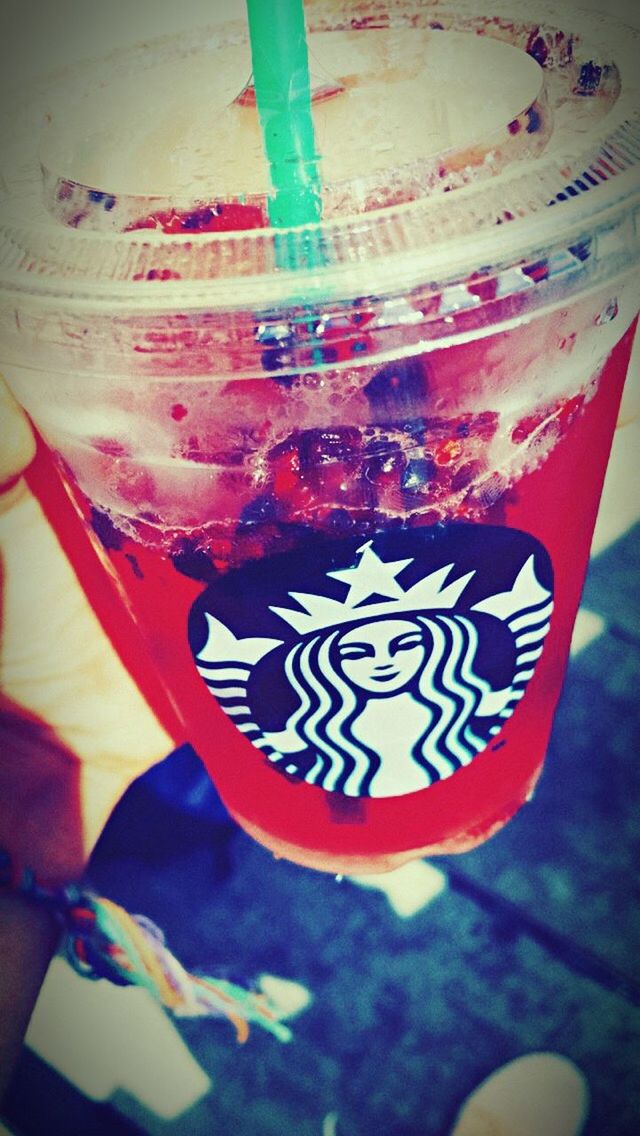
(100, 939)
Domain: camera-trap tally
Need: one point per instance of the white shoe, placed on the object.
(540, 1094)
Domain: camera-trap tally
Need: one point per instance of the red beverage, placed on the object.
(427, 481)
(349, 505)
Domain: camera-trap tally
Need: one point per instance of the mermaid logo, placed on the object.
(382, 680)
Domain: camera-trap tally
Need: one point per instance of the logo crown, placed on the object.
(372, 576)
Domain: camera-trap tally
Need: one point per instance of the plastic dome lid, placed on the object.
(416, 215)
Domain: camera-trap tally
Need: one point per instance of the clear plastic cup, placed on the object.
(348, 503)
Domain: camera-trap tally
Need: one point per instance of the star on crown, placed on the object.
(372, 576)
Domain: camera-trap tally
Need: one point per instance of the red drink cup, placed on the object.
(349, 506)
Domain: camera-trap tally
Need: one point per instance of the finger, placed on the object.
(57, 664)
(630, 405)
(17, 443)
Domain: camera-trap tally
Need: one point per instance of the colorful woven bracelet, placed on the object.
(100, 939)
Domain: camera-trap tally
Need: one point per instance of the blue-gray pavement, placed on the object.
(532, 946)
(570, 859)
(612, 587)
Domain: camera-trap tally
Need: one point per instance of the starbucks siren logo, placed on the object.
(374, 686)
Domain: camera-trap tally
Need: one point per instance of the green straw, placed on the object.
(283, 96)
